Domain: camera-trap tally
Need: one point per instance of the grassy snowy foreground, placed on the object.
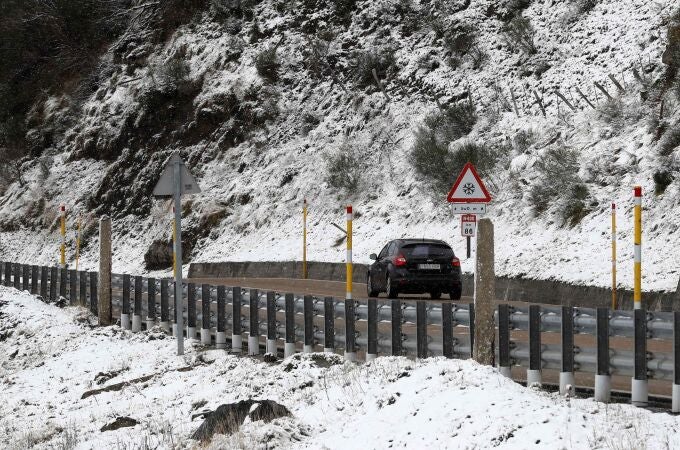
(51, 356)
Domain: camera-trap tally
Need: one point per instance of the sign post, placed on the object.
(176, 180)
(469, 197)
(468, 227)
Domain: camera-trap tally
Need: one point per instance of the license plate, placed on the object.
(429, 266)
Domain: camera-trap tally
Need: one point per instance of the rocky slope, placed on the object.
(272, 102)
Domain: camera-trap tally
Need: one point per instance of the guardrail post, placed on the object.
(137, 311)
(43, 282)
(421, 330)
(176, 329)
(504, 340)
(221, 332)
(63, 281)
(125, 311)
(237, 331)
(471, 330)
(165, 310)
(447, 329)
(308, 311)
(24, 277)
(639, 387)
(82, 280)
(271, 323)
(94, 303)
(150, 303)
(567, 380)
(17, 276)
(8, 273)
(54, 276)
(254, 326)
(350, 330)
(534, 371)
(73, 287)
(602, 378)
(206, 339)
(329, 325)
(2, 271)
(676, 363)
(372, 324)
(289, 346)
(396, 327)
(191, 311)
(35, 271)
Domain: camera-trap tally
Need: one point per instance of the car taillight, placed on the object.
(400, 261)
(455, 262)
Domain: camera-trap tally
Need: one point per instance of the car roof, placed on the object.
(420, 241)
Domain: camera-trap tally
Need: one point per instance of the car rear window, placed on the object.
(426, 251)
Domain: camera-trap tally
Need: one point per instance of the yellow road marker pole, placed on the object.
(350, 351)
(348, 296)
(637, 270)
(62, 249)
(613, 255)
(80, 223)
(304, 240)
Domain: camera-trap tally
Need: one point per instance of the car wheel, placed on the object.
(390, 288)
(455, 294)
(369, 287)
(435, 295)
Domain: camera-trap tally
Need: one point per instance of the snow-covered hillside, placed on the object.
(261, 133)
(51, 357)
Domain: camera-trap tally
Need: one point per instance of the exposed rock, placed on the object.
(120, 422)
(228, 418)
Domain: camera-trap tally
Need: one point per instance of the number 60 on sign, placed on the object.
(468, 225)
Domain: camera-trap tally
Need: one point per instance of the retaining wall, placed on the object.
(516, 289)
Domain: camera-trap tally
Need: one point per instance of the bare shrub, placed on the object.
(662, 179)
(520, 34)
(462, 42)
(344, 169)
(559, 184)
(364, 62)
(670, 141)
(315, 57)
(267, 64)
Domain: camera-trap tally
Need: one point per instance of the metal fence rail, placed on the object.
(221, 316)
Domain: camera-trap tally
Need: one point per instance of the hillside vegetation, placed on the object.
(374, 103)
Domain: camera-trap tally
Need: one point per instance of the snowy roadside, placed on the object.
(49, 357)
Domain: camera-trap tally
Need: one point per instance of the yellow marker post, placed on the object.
(80, 220)
(62, 259)
(613, 255)
(637, 271)
(348, 296)
(304, 240)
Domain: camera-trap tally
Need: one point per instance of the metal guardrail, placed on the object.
(393, 327)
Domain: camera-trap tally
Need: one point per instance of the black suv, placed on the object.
(415, 266)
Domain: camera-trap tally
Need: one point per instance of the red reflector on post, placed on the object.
(455, 262)
(400, 261)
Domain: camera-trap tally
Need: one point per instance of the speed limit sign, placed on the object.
(468, 225)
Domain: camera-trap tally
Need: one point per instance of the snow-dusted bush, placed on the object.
(380, 59)
(662, 179)
(461, 41)
(559, 185)
(315, 56)
(519, 34)
(344, 169)
(670, 141)
(267, 64)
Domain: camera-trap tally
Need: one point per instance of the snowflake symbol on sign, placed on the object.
(468, 188)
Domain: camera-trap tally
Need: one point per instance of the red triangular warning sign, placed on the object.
(468, 188)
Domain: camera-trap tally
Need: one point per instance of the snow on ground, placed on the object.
(51, 356)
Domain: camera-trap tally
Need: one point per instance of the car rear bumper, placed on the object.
(423, 283)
